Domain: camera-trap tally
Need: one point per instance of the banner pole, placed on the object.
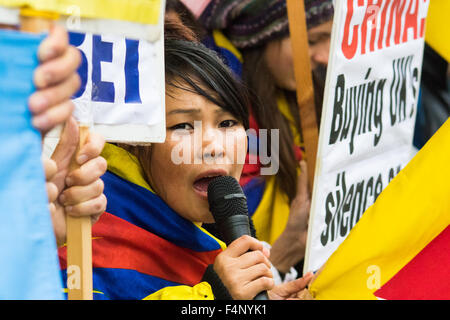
(79, 229)
(305, 89)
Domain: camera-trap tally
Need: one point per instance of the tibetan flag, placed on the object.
(140, 245)
(29, 266)
(437, 32)
(427, 276)
(401, 243)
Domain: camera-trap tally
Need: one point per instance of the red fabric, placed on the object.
(427, 276)
(119, 244)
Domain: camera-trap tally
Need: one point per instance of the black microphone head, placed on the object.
(226, 198)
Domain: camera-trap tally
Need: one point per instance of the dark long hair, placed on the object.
(265, 110)
(204, 73)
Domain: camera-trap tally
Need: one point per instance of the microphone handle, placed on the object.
(233, 228)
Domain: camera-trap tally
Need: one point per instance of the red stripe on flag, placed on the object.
(427, 276)
(120, 244)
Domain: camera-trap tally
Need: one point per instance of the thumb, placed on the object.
(68, 142)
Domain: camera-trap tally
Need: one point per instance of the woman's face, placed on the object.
(278, 57)
(203, 141)
(319, 44)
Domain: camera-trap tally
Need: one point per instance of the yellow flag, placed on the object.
(437, 33)
(412, 210)
(137, 11)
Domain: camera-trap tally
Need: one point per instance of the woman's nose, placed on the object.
(213, 144)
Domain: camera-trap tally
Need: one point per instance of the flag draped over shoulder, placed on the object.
(401, 243)
(28, 260)
(140, 245)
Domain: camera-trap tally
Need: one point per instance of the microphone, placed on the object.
(228, 205)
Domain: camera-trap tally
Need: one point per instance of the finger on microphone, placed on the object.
(254, 257)
(243, 244)
(259, 270)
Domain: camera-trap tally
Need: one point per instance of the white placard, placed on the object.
(122, 93)
(368, 116)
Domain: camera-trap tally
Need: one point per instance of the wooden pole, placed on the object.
(305, 89)
(79, 244)
(79, 229)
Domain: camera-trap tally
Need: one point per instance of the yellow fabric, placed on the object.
(223, 42)
(27, 12)
(133, 172)
(437, 31)
(138, 11)
(412, 210)
(270, 218)
(201, 291)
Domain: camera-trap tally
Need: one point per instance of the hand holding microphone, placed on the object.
(243, 267)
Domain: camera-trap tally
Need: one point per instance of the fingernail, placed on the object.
(62, 198)
(69, 182)
(40, 122)
(38, 103)
(82, 159)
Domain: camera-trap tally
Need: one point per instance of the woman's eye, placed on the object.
(182, 126)
(227, 123)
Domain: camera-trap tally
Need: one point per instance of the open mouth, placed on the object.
(201, 184)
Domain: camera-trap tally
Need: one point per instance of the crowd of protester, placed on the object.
(153, 235)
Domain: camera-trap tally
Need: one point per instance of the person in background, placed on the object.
(319, 22)
(79, 192)
(433, 106)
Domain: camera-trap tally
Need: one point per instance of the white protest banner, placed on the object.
(122, 93)
(122, 87)
(368, 115)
